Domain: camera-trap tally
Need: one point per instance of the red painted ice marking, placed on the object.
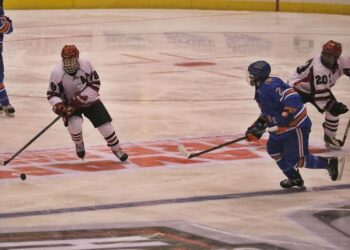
(91, 166)
(231, 155)
(139, 150)
(143, 155)
(159, 161)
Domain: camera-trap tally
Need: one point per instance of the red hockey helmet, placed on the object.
(70, 58)
(331, 51)
(333, 48)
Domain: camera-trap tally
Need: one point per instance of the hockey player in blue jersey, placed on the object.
(5, 28)
(283, 112)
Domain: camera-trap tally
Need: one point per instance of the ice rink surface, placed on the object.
(168, 77)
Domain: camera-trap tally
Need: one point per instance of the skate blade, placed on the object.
(10, 114)
(296, 189)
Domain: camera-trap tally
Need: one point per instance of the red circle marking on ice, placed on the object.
(194, 64)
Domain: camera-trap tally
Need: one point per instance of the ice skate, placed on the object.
(335, 167)
(332, 142)
(120, 154)
(1, 109)
(9, 110)
(80, 149)
(297, 181)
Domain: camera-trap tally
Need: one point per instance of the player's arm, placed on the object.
(344, 62)
(257, 129)
(333, 106)
(54, 93)
(54, 96)
(294, 112)
(301, 74)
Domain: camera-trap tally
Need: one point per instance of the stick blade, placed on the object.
(341, 163)
(184, 151)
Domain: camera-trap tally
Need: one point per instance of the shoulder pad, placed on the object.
(57, 73)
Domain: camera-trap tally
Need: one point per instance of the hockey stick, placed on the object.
(4, 163)
(189, 155)
(346, 133)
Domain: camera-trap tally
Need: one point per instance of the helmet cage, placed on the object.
(71, 65)
(329, 60)
(331, 51)
(258, 72)
(250, 79)
(70, 59)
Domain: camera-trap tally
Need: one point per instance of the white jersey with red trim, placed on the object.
(84, 85)
(314, 79)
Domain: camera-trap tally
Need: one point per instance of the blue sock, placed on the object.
(315, 162)
(287, 170)
(4, 100)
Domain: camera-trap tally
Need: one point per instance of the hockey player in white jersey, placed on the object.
(314, 80)
(73, 92)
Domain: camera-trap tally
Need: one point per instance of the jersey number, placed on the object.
(321, 79)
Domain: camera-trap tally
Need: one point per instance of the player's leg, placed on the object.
(101, 120)
(334, 165)
(330, 131)
(4, 100)
(75, 129)
(275, 148)
(108, 132)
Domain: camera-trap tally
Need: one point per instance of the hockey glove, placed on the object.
(336, 108)
(256, 131)
(59, 108)
(8, 19)
(69, 112)
(62, 110)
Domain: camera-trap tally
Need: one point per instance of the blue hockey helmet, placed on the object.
(258, 72)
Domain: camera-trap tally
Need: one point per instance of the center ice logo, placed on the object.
(141, 155)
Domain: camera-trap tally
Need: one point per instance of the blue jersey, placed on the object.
(281, 106)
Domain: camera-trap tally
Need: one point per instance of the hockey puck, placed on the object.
(23, 177)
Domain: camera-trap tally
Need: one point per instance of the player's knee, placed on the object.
(2, 85)
(277, 156)
(75, 124)
(296, 162)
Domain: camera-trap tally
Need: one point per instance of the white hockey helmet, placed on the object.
(70, 59)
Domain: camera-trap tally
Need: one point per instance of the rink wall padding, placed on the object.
(306, 6)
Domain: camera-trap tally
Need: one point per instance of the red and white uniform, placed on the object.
(84, 85)
(314, 79)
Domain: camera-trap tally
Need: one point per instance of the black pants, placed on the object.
(96, 113)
